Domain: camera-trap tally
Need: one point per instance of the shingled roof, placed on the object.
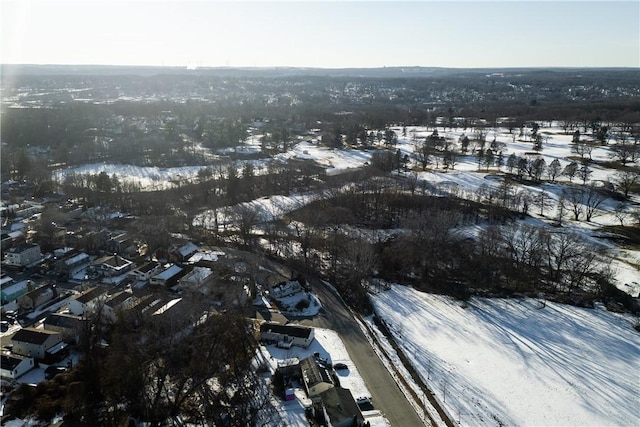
(290, 330)
(33, 336)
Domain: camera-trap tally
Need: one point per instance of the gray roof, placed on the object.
(90, 295)
(33, 336)
(313, 373)
(10, 362)
(63, 321)
(145, 268)
(340, 405)
(290, 330)
(170, 272)
(117, 299)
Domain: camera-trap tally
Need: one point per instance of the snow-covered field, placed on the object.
(465, 180)
(513, 362)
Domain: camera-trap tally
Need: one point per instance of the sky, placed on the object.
(326, 34)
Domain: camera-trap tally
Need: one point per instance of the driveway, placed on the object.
(387, 396)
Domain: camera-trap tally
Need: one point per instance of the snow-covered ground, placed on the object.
(329, 346)
(465, 180)
(515, 362)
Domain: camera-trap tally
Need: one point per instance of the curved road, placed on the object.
(387, 396)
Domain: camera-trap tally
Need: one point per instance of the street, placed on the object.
(387, 396)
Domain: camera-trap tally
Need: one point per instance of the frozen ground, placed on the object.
(514, 362)
(464, 181)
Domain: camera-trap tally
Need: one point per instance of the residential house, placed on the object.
(6, 280)
(340, 409)
(120, 243)
(91, 241)
(88, 301)
(173, 315)
(285, 289)
(70, 327)
(38, 296)
(117, 303)
(34, 343)
(13, 234)
(146, 271)
(11, 291)
(6, 241)
(112, 265)
(286, 335)
(198, 280)
(184, 252)
(23, 255)
(28, 209)
(13, 366)
(168, 277)
(58, 236)
(316, 378)
(127, 245)
(73, 263)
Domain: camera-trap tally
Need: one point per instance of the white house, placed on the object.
(167, 277)
(87, 302)
(33, 342)
(284, 289)
(113, 265)
(316, 378)
(286, 335)
(23, 255)
(117, 302)
(74, 263)
(13, 366)
(185, 251)
(37, 296)
(67, 325)
(197, 280)
(146, 271)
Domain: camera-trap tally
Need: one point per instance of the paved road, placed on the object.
(387, 396)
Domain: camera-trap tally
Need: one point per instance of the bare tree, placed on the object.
(542, 200)
(569, 260)
(593, 199)
(574, 199)
(582, 149)
(554, 169)
(247, 216)
(625, 149)
(621, 213)
(626, 180)
(584, 172)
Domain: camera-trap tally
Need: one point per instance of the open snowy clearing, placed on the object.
(514, 362)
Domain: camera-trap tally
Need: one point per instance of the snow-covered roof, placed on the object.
(16, 287)
(197, 275)
(77, 259)
(187, 249)
(169, 272)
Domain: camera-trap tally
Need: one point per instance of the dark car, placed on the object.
(340, 366)
(52, 371)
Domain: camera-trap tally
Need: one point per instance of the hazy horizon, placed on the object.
(327, 34)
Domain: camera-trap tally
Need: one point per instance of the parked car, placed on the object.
(340, 366)
(52, 371)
